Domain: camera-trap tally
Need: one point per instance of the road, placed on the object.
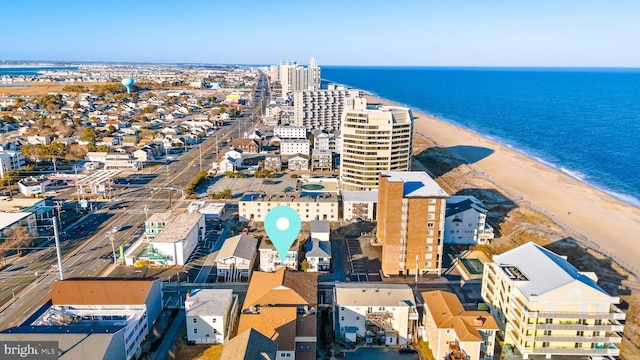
(88, 252)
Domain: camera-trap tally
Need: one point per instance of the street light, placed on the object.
(113, 248)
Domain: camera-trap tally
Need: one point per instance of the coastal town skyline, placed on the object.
(427, 33)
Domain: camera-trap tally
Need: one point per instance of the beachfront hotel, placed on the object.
(374, 141)
(322, 109)
(545, 306)
(294, 77)
(411, 212)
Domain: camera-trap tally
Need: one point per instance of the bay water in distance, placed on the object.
(584, 122)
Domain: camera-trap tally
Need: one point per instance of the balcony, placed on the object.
(611, 339)
(614, 327)
(608, 350)
(614, 314)
(455, 353)
(413, 314)
(381, 319)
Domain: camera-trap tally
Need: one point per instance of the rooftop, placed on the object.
(178, 229)
(241, 246)
(9, 218)
(360, 196)
(535, 271)
(320, 226)
(374, 295)
(101, 291)
(416, 184)
(284, 287)
(250, 345)
(208, 302)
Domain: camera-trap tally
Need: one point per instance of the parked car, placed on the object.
(407, 350)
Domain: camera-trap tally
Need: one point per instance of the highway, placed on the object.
(88, 253)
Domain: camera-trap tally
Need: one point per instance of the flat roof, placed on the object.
(416, 184)
(98, 177)
(19, 202)
(208, 302)
(178, 228)
(360, 196)
(9, 218)
(374, 295)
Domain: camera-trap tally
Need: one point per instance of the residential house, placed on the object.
(372, 312)
(250, 345)
(210, 315)
(273, 162)
(236, 258)
(282, 306)
(466, 222)
(317, 255)
(321, 160)
(298, 163)
(115, 160)
(545, 306)
(455, 333)
(130, 140)
(270, 258)
(248, 146)
(39, 139)
(320, 230)
(143, 154)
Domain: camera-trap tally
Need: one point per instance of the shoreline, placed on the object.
(600, 220)
(575, 174)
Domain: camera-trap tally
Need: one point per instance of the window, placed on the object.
(545, 344)
(195, 320)
(195, 331)
(430, 224)
(580, 333)
(342, 318)
(214, 320)
(301, 348)
(357, 317)
(308, 348)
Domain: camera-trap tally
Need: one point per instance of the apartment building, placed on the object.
(363, 312)
(374, 141)
(455, 333)
(295, 146)
(94, 318)
(359, 205)
(174, 236)
(290, 132)
(321, 160)
(310, 206)
(210, 315)
(545, 306)
(411, 212)
(10, 160)
(294, 77)
(270, 257)
(236, 258)
(322, 109)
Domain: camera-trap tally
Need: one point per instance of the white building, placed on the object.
(318, 255)
(33, 186)
(294, 146)
(100, 318)
(290, 132)
(466, 221)
(236, 258)
(322, 109)
(294, 77)
(9, 220)
(455, 333)
(359, 205)
(318, 206)
(211, 315)
(320, 230)
(298, 163)
(175, 235)
(374, 312)
(10, 160)
(321, 160)
(374, 141)
(270, 259)
(324, 141)
(545, 306)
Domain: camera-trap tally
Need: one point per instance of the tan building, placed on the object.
(317, 206)
(454, 333)
(411, 212)
(545, 306)
(374, 141)
(282, 306)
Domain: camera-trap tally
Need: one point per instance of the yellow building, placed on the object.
(455, 333)
(545, 306)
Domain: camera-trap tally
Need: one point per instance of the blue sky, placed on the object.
(408, 32)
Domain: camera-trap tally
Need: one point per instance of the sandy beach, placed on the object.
(594, 218)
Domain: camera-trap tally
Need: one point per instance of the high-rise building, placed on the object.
(411, 212)
(322, 109)
(294, 77)
(374, 141)
(545, 306)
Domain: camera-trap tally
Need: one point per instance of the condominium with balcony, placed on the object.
(322, 109)
(545, 306)
(294, 77)
(374, 141)
(411, 213)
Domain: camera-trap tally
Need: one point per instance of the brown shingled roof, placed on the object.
(276, 323)
(100, 291)
(284, 286)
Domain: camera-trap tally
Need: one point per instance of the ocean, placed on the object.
(29, 70)
(584, 122)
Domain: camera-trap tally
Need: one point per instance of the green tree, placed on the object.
(88, 134)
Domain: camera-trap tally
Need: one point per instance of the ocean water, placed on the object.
(30, 70)
(584, 122)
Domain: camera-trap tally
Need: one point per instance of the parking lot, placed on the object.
(364, 259)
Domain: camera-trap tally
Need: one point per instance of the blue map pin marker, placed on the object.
(282, 225)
